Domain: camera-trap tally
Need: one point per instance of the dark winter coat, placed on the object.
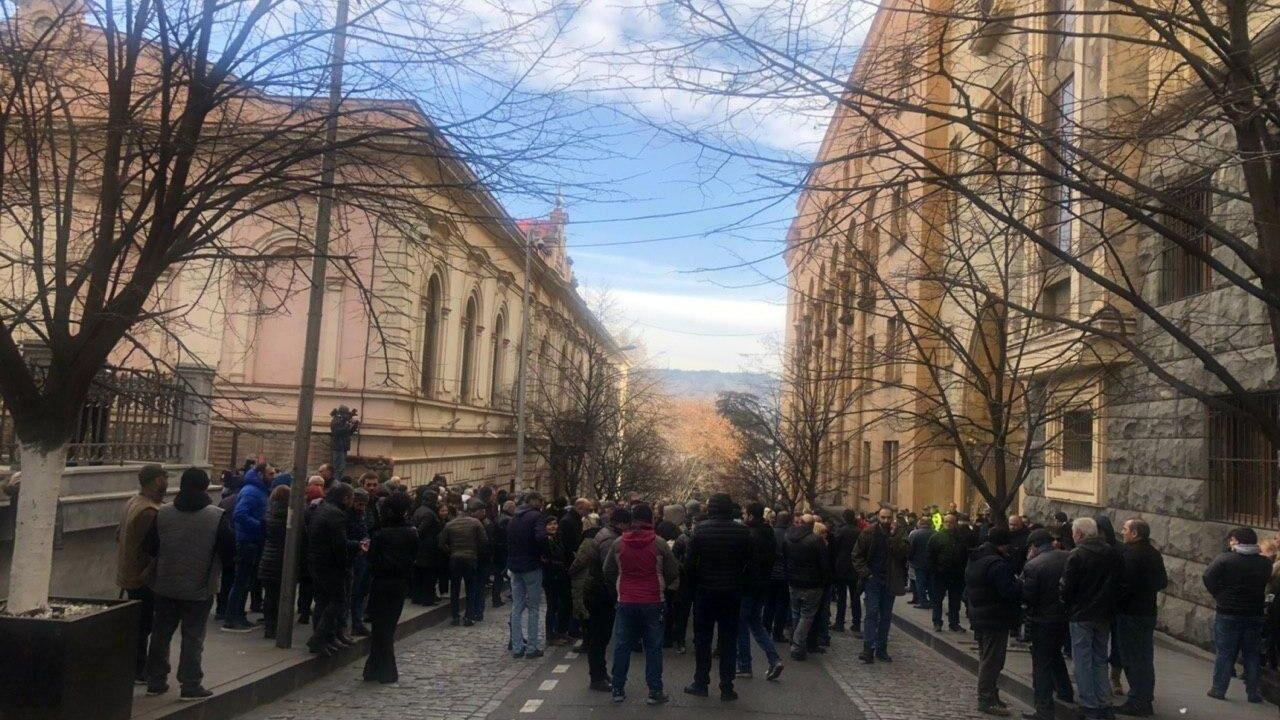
(719, 555)
(393, 550)
(1238, 583)
(1143, 578)
(272, 561)
(1041, 587)
(764, 552)
(807, 564)
(526, 539)
(991, 590)
(329, 552)
(882, 555)
(842, 543)
(1091, 581)
(948, 554)
(464, 537)
(918, 539)
(779, 571)
(570, 532)
(427, 523)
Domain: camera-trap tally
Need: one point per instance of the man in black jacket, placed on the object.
(719, 556)
(329, 555)
(880, 559)
(751, 620)
(1090, 587)
(845, 581)
(1237, 579)
(948, 554)
(808, 569)
(1046, 623)
(1144, 577)
(994, 596)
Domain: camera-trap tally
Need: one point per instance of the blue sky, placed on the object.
(686, 240)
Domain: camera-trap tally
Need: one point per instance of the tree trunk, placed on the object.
(37, 500)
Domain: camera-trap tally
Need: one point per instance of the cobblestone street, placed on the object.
(446, 672)
(463, 673)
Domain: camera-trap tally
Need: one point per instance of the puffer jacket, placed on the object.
(764, 553)
(272, 561)
(991, 591)
(948, 554)
(329, 553)
(806, 558)
(251, 510)
(427, 522)
(719, 555)
(526, 540)
(1041, 595)
(1238, 583)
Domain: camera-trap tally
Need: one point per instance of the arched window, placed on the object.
(497, 393)
(431, 309)
(466, 386)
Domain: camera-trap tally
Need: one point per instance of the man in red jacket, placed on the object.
(641, 566)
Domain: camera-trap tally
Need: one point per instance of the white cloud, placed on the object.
(701, 332)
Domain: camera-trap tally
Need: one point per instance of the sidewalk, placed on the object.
(244, 670)
(1182, 672)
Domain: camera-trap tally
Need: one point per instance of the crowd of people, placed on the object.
(635, 575)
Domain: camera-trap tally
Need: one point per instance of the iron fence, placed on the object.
(130, 415)
(1243, 477)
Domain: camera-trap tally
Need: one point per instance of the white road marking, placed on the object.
(571, 656)
(560, 670)
(548, 685)
(531, 706)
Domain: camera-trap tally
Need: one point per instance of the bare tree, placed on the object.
(149, 140)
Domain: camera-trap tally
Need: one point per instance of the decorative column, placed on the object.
(196, 385)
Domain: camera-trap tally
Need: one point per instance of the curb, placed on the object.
(1011, 684)
(268, 687)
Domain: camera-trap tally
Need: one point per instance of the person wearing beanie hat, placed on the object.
(718, 559)
(994, 596)
(1046, 622)
(189, 537)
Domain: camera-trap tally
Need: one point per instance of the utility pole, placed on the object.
(524, 362)
(311, 350)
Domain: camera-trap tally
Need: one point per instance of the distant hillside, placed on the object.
(706, 384)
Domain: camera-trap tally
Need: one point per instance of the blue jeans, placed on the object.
(526, 596)
(923, 594)
(751, 624)
(877, 616)
(1089, 656)
(247, 555)
(638, 622)
(1237, 636)
(1136, 636)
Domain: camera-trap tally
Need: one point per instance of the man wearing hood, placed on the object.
(719, 556)
(188, 537)
(249, 521)
(526, 541)
(1090, 588)
(640, 567)
(1237, 580)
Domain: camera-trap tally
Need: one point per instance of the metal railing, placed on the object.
(130, 415)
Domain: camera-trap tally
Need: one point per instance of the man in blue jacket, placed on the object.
(526, 541)
(248, 519)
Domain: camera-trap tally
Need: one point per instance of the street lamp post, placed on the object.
(311, 348)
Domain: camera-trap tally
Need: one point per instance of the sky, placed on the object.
(675, 147)
(683, 238)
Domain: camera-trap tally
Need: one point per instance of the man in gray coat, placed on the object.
(188, 541)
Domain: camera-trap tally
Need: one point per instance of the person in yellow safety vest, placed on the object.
(937, 519)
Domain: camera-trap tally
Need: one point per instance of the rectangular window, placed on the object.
(1058, 211)
(889, 471)
(1055, 301)
(893, 350)
(866, 469)
(1243, 478)
(1182, 270)
(1077, 440)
